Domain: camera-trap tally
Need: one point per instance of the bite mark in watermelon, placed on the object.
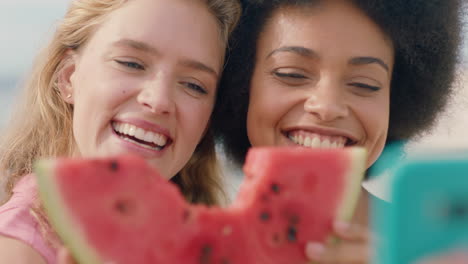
(119, 210)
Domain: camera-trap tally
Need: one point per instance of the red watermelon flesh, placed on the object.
(218, 236)
(292, 196)
(117, 205)
(119, 210)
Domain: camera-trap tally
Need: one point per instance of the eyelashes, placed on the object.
(365, 86)
(195, 87)
(290, 75)
(135, 66)
(294, 78)
(131, 65)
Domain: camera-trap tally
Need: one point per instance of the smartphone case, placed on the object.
(428, 211)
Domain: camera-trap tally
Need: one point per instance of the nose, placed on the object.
(158, 96)
(326, 101)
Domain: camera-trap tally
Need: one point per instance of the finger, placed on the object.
(352, 232)
(352, 253)
(454, 258)
(64, 257)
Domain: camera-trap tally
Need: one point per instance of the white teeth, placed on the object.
(131, 130)
(141, 134)
(300, 140)
(126, 128)
(148, 137)
(315, 142)
(160, 140)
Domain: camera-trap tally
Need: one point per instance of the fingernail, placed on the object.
(341, 226)
(314, 250)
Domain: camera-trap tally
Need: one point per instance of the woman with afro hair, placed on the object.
(338, 73)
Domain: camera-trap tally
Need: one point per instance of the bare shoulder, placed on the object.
(15, 251)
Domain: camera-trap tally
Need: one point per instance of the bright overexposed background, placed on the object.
(26, 25)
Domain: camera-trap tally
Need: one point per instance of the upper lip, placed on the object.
(351, 139)
(146, 125)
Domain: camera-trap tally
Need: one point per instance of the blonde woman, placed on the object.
(119, 76)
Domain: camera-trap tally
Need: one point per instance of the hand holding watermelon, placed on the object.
(64, 257)
(353, 246)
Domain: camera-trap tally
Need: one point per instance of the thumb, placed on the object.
(64, 257)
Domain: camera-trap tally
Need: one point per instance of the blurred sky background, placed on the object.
(26, 25)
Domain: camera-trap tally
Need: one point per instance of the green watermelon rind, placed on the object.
(353, 181)
(60, 217)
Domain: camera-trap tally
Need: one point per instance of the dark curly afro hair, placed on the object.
(426, 35)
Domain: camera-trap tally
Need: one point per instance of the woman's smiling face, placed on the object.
(321, 79)
(146, 81)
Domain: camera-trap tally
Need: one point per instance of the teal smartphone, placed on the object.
(428, 211)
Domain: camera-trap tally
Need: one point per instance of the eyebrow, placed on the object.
(200, 66)
(144, 47)
(309, 53)
(302, 51)
(137, 45)
(369, 60)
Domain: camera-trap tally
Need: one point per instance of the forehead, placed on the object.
(179, 27)
(330, 25)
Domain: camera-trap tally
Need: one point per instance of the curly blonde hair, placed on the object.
(43, 126)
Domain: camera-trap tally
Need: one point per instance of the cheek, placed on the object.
(195, 117)
(268, 103)
(376, 126)
(255, 120)
(98, 99)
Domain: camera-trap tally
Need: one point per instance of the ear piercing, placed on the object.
(69, 96)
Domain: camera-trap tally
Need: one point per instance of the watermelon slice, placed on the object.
(119, 210)
(293, 195)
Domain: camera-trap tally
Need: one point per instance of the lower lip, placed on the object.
(139, 150)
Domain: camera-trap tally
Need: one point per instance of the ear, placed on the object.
(65, 76)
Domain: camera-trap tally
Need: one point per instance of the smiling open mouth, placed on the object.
(141, 137)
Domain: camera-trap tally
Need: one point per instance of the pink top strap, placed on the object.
(16, 220)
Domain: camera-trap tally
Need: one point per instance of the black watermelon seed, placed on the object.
(276, 238)
(294, 220)
(114, 166)
(265, 216)
(275, 188)
(265, 198)
(205, 257)
(186, 215)
(225, 261)
(292, 234)
(123, 206)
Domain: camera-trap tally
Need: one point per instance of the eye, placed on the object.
(195, 87)
(131, 65)
(365, 86)
(291, 75)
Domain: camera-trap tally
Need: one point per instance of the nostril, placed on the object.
(326, 110)
(158, 103)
